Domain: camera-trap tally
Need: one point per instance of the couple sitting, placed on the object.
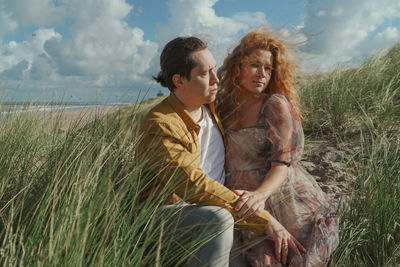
(258, 138)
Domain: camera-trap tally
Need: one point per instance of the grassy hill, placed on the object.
(360, 107)
(346, 101)
(72, 198)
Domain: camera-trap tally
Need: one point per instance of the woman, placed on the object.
(260, 111)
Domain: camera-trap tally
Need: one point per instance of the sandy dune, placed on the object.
(79, 116)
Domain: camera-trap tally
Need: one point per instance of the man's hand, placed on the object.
(282, 239)
(250, 203)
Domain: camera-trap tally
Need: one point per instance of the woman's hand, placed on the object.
(282, 239)
(250, 203)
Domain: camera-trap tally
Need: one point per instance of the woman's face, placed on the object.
(255, 72)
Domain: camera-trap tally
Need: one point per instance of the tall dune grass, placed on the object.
(361, 106)
(72, 198)
(370, 233)
(342, 101)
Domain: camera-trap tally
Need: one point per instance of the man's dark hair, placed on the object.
(176, 58)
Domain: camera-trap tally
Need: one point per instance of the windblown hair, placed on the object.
(176, 58)
(283, 76)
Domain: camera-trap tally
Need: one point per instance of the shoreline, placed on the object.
(80, 115)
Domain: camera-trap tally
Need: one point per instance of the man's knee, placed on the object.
(220, 222)
(224, 216)
(218, 231)
(216, 216)
(198, 216)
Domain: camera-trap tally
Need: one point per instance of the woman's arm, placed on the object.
(273, 180)
(281, 123)
(252, 202)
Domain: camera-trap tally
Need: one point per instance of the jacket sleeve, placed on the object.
(169, 159)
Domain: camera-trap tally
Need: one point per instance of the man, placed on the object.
(183, 146)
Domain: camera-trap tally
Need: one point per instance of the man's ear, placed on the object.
(178, 81)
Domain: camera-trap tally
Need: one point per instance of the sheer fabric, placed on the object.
(299, 204)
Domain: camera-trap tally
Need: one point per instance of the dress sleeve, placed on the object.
(284, 130)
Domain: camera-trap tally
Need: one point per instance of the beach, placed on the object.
(79, 117)
(65, 116)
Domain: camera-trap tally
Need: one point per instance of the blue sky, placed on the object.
(107, 50)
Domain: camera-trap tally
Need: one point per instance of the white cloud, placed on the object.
(103, 54)
(198, 18)
(8, 24)
(320, 13)
(382, 40)
(36, 12)
(102, 42)
(345, 29)
(27, 51)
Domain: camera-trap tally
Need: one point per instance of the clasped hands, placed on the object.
(252, 202)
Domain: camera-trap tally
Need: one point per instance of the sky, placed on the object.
(108, 50)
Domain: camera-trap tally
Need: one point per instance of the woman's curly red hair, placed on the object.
(283, 76)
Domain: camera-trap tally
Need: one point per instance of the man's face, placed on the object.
(203, 84)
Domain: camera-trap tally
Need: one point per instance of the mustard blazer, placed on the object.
(170, 151)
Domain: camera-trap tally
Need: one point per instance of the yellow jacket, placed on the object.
(171, 152)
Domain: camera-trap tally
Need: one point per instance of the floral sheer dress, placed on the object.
(298, 204)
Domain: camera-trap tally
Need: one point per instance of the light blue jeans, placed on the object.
(210, 227)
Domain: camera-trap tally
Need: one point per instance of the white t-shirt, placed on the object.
(212, 150)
